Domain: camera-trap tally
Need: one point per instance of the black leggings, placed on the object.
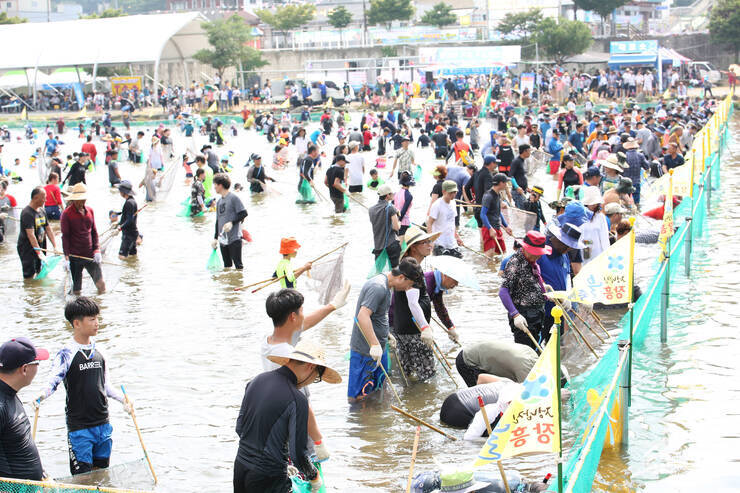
(250, 481)
(75, 268)
(454, 413)
(232, 253)
(468, 373)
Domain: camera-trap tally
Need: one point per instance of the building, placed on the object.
(40, 10)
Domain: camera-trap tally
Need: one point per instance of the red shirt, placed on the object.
(53, 195)
(366, 137)
(79, 234)
(90, 148)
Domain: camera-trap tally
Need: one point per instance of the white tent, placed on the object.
(111, 41)
(15, 79)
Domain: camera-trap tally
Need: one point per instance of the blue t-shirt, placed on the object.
(555, 269)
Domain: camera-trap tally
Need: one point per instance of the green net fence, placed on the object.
(590, 426)
(22, 486)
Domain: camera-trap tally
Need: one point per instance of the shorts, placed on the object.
(75, 268)
(554, 167)
(454, 413)
(492, 243)
(128, 244)
(364, 376)
(30, 263)
(53, 212)
(355, 188)
(468, 373)
(90, 447)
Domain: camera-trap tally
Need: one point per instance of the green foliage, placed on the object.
(114, 71)
(4, 19)
(440, 15)
(339, 17)
(141, 6)
(386, 11)
(564, 39)
(228, 38)
(520, 24)
(287, 17)
(389, 51)
(106, 14)
(724, 24)
(602, 7)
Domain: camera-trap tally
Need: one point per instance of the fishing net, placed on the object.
(327, 277)
(472, 223)
(537, 160)
(47, 266)
(306, 195)
(164, 182)
(23, 486)
(134, 475)
(346, 202)
(303, 486)
(382, 264)
(214, 261)
(519, 221)
(417, 173)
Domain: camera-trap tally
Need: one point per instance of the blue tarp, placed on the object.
(617, 61)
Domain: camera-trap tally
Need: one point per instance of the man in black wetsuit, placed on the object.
(19, 457)
(273, 419)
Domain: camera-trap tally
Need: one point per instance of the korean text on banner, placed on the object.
(530, 423)
(120, 84)
(606, 279)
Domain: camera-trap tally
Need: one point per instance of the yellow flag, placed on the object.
(667, 93)
(286, 103)
(330, 103)
(24, 113)
(530, 424)
(399, 99)
(666, 230)
(679, 183)
(212, 108)
(83, 112)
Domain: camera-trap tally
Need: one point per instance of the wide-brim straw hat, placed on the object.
(308, 352)
(414, 235)
(77, 192)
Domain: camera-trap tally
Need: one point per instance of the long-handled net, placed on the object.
(519, 221)
(537, 160)
(47, 266)
(327, 277)
(134, 474)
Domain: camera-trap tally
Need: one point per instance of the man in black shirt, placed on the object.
(482, 182)
(19, 458)
(333, 179)
(307, 165)
(32, 237)
(77, 171)
(519, 173)
(127, 222)
(273, 420)
(441, 143)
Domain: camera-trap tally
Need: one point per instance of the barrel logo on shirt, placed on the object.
(91, 365)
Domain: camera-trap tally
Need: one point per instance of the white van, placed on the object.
(706, 69)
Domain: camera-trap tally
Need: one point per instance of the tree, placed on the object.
(602, 7)
(564, 39)
(723, 24)
(287, 17)
(106, 14)
(228, 38)
(386, 11)
(440, 15)
(520, 24)
(141, 6)
(4, 19)
(339, 18)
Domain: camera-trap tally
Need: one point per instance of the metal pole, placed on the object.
(687, 252)
(624, 396)
(664, 294)
(709, 190)
(629, 358)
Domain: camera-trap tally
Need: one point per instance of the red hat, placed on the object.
(535, 243)
(289, 245)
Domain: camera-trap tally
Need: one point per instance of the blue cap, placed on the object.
(575, 214)
(489, 159)
(591, 172)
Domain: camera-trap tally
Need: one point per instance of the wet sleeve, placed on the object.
(110, 390)
(441, 310)
(59, 368)
(298, 437)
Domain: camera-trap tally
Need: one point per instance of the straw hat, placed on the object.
(612, 162)
(414, 235)
(77, 192)
(308, 352)
(631, 144)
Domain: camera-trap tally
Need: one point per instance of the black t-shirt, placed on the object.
(76, 174)
(437, 188)
(332, 174)
(439, 139)
(19, 458)
(87, 404)
(35, 220)
(307, 166)
(519, 173)
(128, 216)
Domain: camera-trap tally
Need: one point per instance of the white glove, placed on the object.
(39, 398)
(452, 334)
(227, 227)
(426, 336)
(376, 352)
(128, 406)
(340, 299)
(322, 453)
(316, 484)
(392, 342)
(567, 305)
(3, 215)
(521, 323)
(65, 265)
(214, 244)
(97, 257)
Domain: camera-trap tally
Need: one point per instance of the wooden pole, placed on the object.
(413, 459)
(422, 422)
(35, 422)
(503, 476)
(490, 432)
(441, 354)
(54, 252)
(400, 367)
(557, 304)
(355, 200)
(445, 328)
(588, 326)
(598, 321)
(138, 431)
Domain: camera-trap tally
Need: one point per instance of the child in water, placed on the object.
(284, 271)
(375, 180)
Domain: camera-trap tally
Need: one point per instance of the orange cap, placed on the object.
(289, 245)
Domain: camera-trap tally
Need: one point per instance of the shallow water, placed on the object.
(184, 344)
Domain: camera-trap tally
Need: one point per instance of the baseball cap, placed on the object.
(18, 352)
(449, 186)
(489, 159)
(500, 178)
(591, 172)
(384, 189)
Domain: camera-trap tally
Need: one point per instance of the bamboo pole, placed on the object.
(598, 321)
(413, 459)
(587, 325)
(35, 422)
(349, 195)
(490, 432)
(138, 431)
(557, 303)
(54, 252)
(445, 328)
(422, 422)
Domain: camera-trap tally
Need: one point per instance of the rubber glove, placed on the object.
(214, 244)
(128, 406)
(392, 342)
(227, 227)
(376, 352)
(65, 265)
(426, 336)
(316, 484)
(452, 334)
(340, 299)
(322, 453)
(567, 305)
(3, 215)
(521, 323)
(97, 257)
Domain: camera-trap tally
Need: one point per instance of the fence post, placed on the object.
(688, 240)
(664, 294)
(624, 395)
(708, 190)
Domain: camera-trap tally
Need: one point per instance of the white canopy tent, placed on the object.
(111, 41)
(15, 79)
